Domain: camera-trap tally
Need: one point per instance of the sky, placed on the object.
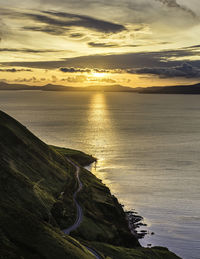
(137, 43)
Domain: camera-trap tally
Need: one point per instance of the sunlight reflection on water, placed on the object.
(98, 118)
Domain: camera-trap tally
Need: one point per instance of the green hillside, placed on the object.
(36, 187)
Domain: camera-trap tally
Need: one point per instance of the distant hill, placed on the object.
(98, 88)
(52, 87)
(6, 86)
(178, 89)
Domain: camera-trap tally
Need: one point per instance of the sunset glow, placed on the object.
(98, 75)
(139, 43)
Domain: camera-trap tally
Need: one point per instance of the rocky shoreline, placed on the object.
(136, 221)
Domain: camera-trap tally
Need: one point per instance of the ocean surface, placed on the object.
(148, 150)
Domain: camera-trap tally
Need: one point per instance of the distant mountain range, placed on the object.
(51, 87)
(177, 89)
(5, 86)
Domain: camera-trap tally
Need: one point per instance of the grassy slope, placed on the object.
(32, 175)
(104, 222)
(32, 209)
(76, 155)
(116, 252)
(103, 215)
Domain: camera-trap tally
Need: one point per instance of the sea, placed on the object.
(147, 146)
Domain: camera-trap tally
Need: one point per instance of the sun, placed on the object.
(99, 75)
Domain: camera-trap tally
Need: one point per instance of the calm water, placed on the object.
(148, 148)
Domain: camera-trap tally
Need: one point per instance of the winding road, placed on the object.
(79, 213)
(79, 210)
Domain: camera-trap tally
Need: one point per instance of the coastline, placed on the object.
(134, 220)
(37, 203)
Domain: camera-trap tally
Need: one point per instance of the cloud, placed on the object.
(96, 70)
(185, 70)
(83, 78)
(110, 45)
(75, 79)
(76, 35)
(63, 21)
(54, 78)
(14, 70)
(74, 70)
(102, 45)
(86, 70)
(27, 80)
(174, 4)
(193, 47)
(159, 59)
(24, 50)
(53, 30)
(103, 80)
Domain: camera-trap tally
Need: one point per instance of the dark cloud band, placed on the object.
(74, 70)
(14, 70)
(161, 63)
(28, 50)
(174, 4)
(185, 70)
(63, 21)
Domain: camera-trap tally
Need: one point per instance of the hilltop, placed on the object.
(37, 183)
